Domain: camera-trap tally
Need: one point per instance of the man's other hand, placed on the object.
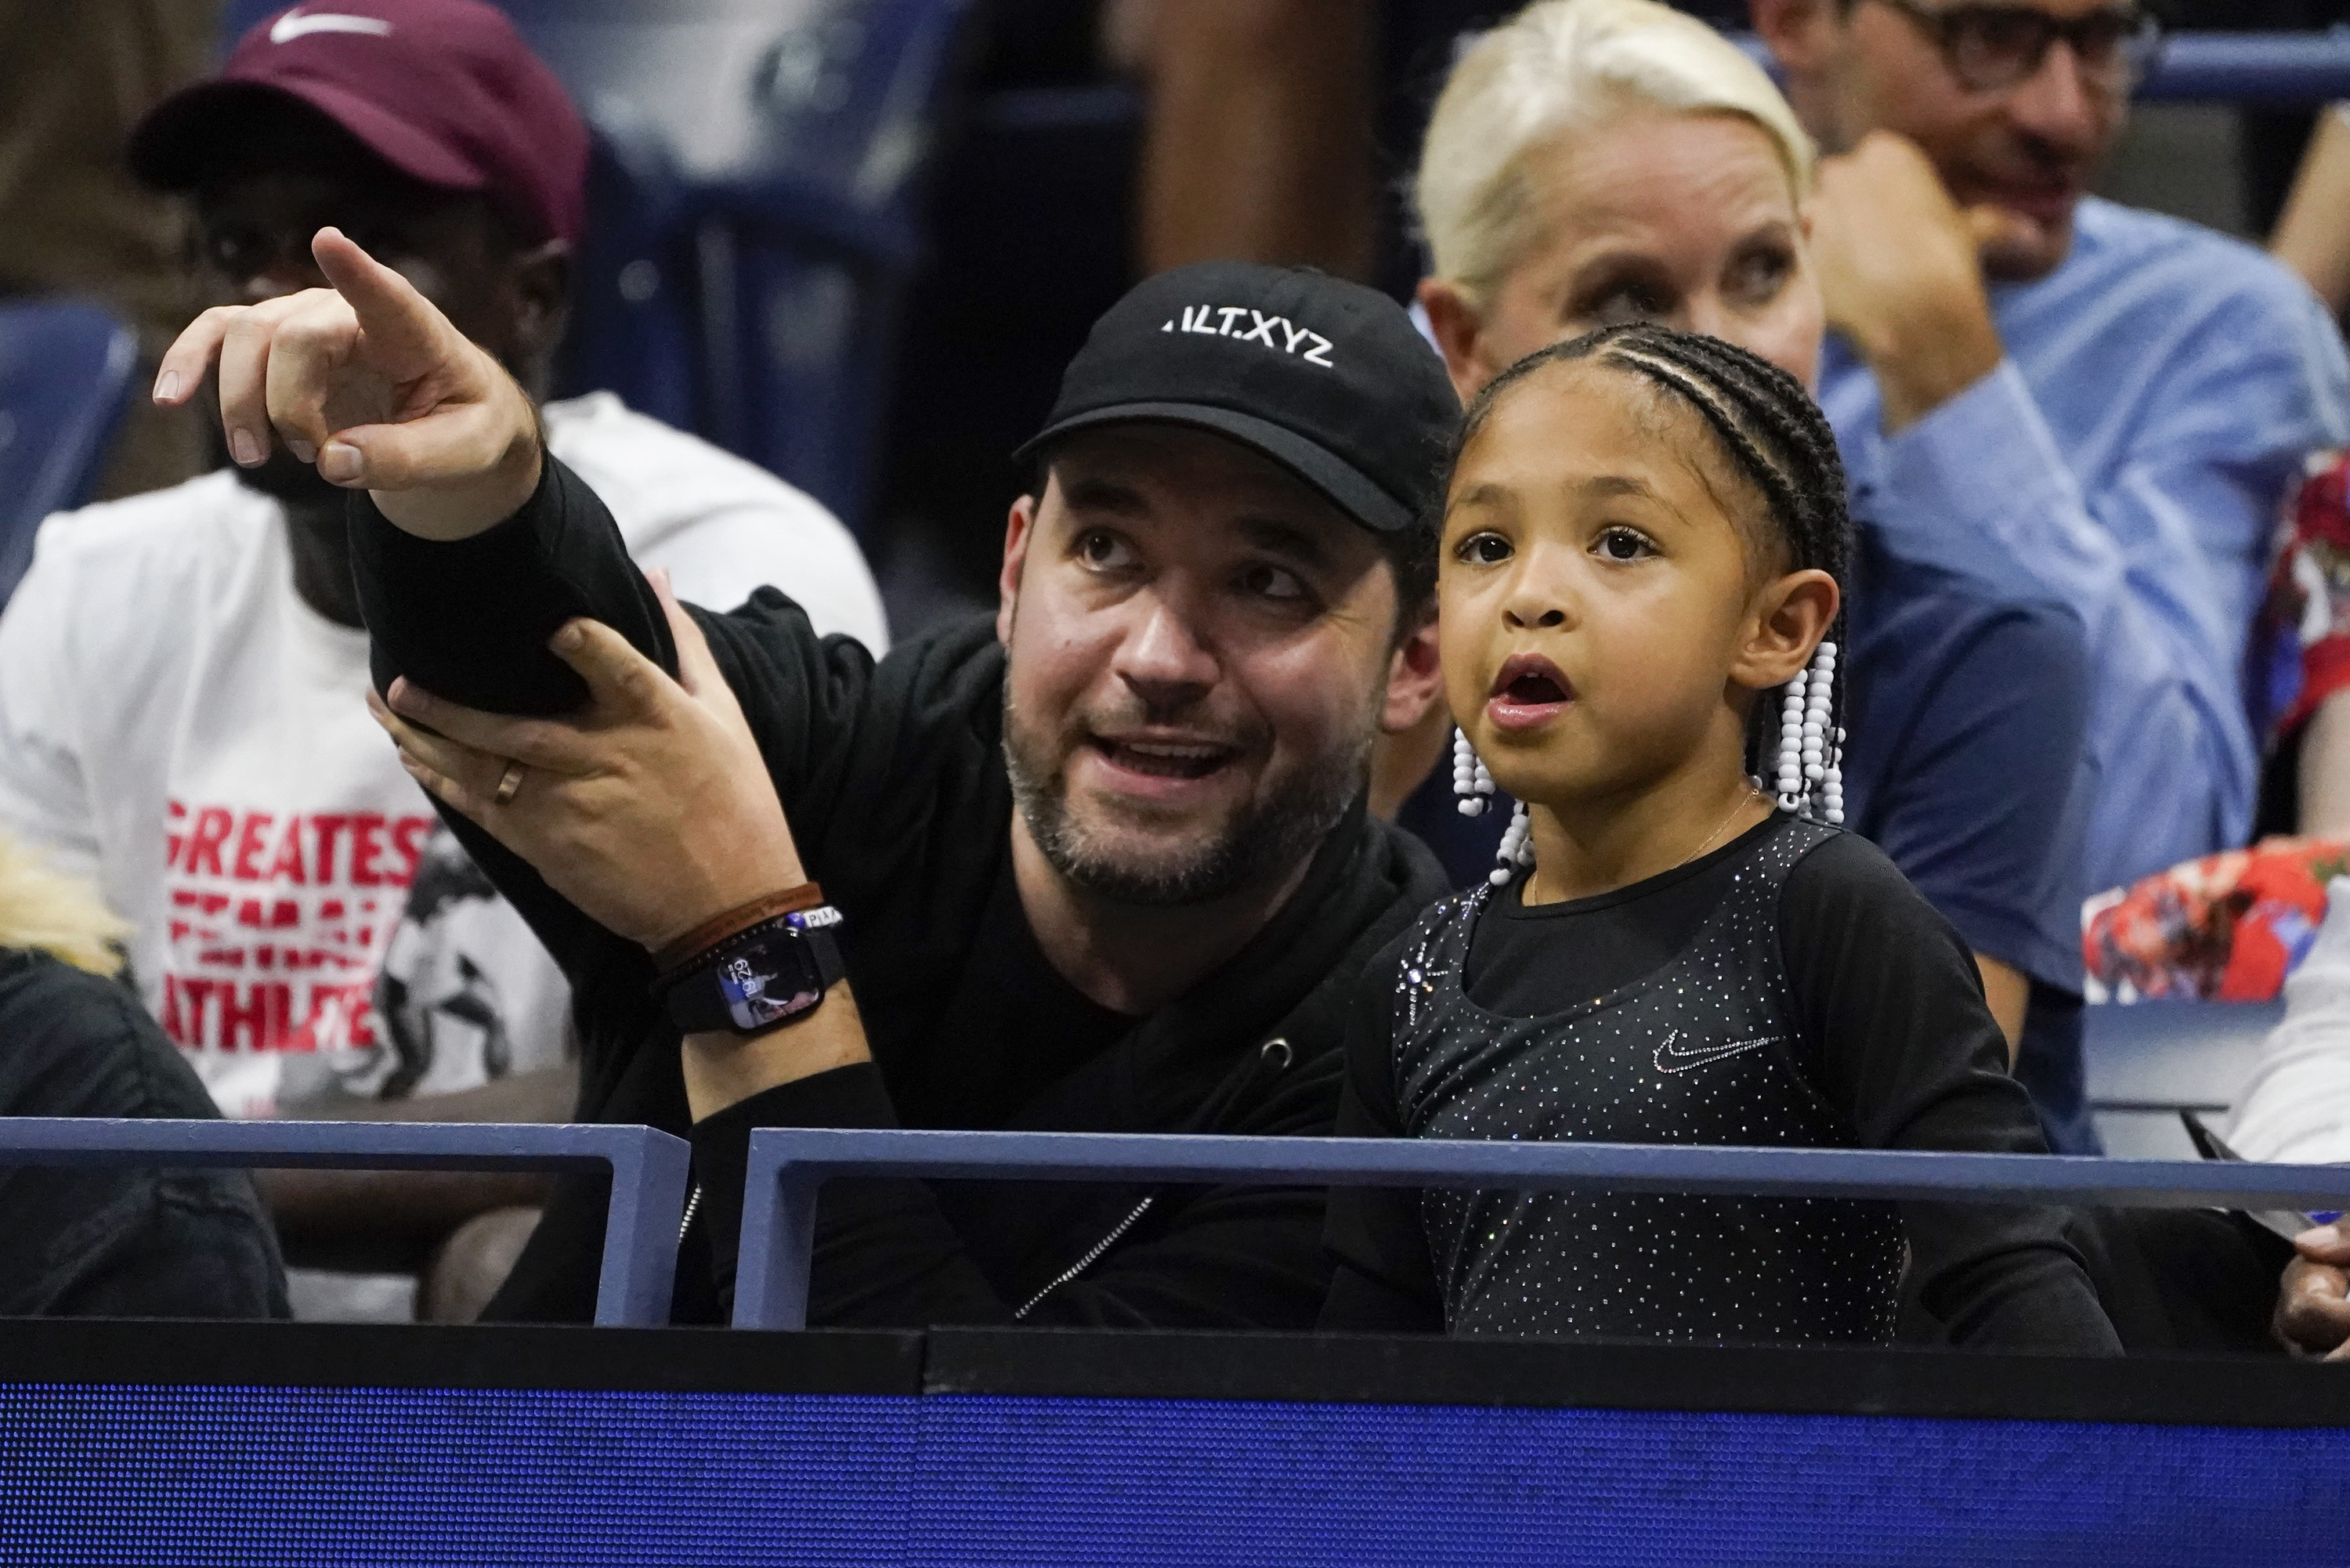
(1899, 273)
(2312, 1314)
(370, 382)
(652, 811)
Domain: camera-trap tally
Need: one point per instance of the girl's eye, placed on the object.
(1482, 550)
(1623, 545)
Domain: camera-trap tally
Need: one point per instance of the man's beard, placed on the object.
(1263, 842)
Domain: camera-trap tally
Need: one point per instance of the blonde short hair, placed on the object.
(46, 911)
(1558, 67)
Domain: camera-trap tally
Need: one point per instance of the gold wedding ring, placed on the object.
(508, 784)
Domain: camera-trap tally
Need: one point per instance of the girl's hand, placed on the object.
(652, 812)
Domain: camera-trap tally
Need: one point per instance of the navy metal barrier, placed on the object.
(648, 1170)
(2252, 67)
(788, 1165)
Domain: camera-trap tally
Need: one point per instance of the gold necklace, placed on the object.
(1750, 794)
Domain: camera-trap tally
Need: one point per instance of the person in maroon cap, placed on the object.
(182, 674)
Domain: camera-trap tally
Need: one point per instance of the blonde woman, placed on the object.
(74, 1041)
(1591, 161)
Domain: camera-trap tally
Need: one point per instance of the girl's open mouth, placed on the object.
(1529, 690)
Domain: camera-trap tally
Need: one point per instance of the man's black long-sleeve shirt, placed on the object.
(892, 777)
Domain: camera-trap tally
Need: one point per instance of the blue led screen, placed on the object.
(92, 1475)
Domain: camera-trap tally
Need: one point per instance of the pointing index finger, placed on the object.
(405, 333)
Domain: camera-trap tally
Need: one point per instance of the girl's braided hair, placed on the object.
(1765, 423)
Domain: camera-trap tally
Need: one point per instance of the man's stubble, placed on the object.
(1263, 842)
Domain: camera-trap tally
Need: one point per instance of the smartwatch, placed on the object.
(771, 974)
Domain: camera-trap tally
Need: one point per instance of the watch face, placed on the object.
(756, 994)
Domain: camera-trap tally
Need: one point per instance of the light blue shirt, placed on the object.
(2161, 391)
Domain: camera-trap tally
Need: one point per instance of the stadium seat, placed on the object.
(66, 368)
(2148, 1060)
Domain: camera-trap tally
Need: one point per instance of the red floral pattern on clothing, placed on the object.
(2226, 928)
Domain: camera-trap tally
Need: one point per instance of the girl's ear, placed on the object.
(1791, 614)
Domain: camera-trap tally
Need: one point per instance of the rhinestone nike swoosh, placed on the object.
(1672, 1058)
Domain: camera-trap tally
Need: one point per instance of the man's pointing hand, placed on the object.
(370, 382)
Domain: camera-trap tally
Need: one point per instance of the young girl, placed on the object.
(1643, 550)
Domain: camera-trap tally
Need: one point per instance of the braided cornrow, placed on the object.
(1767, 425)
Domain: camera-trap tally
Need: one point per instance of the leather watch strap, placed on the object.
(742, 917)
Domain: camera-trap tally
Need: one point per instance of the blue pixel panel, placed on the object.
(273, 1476)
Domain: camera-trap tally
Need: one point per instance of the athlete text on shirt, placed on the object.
(278, 924)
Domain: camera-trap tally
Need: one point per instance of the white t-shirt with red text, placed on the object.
(178, 724)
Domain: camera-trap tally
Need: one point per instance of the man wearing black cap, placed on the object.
(1100, 865)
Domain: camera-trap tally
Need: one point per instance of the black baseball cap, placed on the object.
(1326, 377)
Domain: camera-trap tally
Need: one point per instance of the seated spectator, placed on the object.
(1601, 161)
(1099, 862)
(74, 1041)
(2042, 387)
(182, 674)
(2296, 1107)
(1640, 605)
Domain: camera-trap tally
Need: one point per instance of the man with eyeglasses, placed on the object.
(2054, 391)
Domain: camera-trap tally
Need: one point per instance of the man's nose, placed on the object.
(1164, 659)
(2060, 104)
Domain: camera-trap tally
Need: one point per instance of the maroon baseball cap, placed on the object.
(443, 90)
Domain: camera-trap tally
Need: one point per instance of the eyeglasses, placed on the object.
(1992, 47)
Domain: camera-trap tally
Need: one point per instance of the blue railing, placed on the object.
(788, 1167)
(789, 1164)
(2252, 67)
(648, 1170)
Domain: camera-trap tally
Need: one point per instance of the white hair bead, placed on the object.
(1471, 782)
(1811, 744)
(1516, 849)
